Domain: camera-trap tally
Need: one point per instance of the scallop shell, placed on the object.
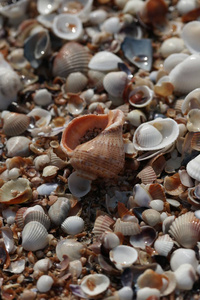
(103, 156)
(18, 146)
(191, 101)
(114, 83)
(156, 134)
(123, 256)
(104, 61)
(15, 191)
(72, 57)
(189, 70)
(163, 245)
(67, 27)
(37, 216)
(190, 35)
(141, 96)
(94, 284)
(59, 210)
(34, 236)
(73, 225)
(14, 124)
(193, 168)
(186, 230)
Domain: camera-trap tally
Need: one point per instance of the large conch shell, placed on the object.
(102, 156)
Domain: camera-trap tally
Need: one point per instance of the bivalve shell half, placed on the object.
(141, 96)
(190, 35)
(145, 238)
(126, 228)
(123, 256)
(115, 82)
(46, 7)
(186, 230)
(38, 216)
(183, 256)
(193, 168)
(73, 225)
(104, 61)
(69, 247)
(44, 283)
(14, 124)
(18, 146)
(156, 134)
(95, 284)
(193, 123)
(163, 245)
(59, 210)
(34, 236)
(191, 101)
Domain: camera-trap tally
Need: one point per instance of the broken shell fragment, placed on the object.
(141, 96)
(123, 256)
(18, 146)
(95, 284)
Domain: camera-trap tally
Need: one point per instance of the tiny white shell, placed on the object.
(111, 25)
(59, 210)
(125, 293)
(184, 6)
(136, 117)
(42, 97)
(157, 204)
(18, 146)
(144, 92)
(123, 256)
(75, 268)
(34, 236)
(183, 256)
(97, 16)
(67, 27)
(172, 60)
(73, 225)
(44, 283)
(99, 283)
(81, 8)
(141, 196)
(104, 61)
(46, 189)
(45, 7)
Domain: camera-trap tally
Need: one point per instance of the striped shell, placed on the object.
(102, 156)
(73, 225)
(126, 228)
(163, 245)
(72, 57)
(186, 230)
(34, 236)
(39, 217)
(15, 124)
(59, 210)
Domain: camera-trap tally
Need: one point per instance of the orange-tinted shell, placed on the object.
(102, 156)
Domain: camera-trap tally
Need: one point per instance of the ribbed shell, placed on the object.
(103, 156)
(186, 230)
(34, 236)
(73, 225)
(126, 228)
(72, 57)
(39, 217)
(59, 210)
(15, 124)
(102, 224)
(193, 168)
(163, 245)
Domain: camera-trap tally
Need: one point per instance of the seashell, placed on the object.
(185, 277)
(96, 80)
(146, 293)
(186, 230)
(110, 240)
(49, 172)
(112, 25)
(192, 168)
(167, 222)
(185, 6)
(157, 205)
(16, 59)
(78, 186)
(42, 97)
(9, 214)
(15, 191)
(73, 225)
(123, 256)
(15, 124)
(67, 27)
(75, 82)
(104, 61)
(189, 70)
(59, 210)
(172, 60)
(41, 161)
(151, 217)
(97, 16)
(138, 52)
(75, 268)
(156, 134)
(34, 236)
(46, 20)
(173, 185)
(14, 10)
(193, 123)
(183, 256)
(76, 105)
(72, 57)
(36, 47)
(55, 160)
(93, 159)
(145, 238)
(102, 224)
(37, 216)
(147, 175)
(18, 146)
(172, 45)
(94, 284)
(44, 283)
(81, 8)
(46, 189)
(189, 35)
(141, 196)
(141, 96)
(8, 240)
(136, 117)
(191, 101)
(45, 7)
(10, 85)
(69, 247)
(163, 245)
(126, 228)
(125, 292)
(133, 7)
(114, 83)
(42, 117)
(151, 279)
(42, 265)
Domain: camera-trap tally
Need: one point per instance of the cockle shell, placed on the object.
(95, 284)
(156, 134)
(15, 124)
(163, 245)
(189, 70)
(73, 225)
(59, 210)
(186, 230)
(15, 191)
(102, 156)
(38, 216)
(72, 57)
(67, 26)
(123, 256)
(127, 228)
(104, 61)
(10, 85)
(190, 36)
(34, 236)
(75, 82)
(102, 224)
(193, 168)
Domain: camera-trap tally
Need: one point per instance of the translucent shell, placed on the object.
(186, 230)
(141, 96)
(156, 134)
(102, 156)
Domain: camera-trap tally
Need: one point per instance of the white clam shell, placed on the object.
(193, 168)
(190, 35)
(99, 282)
(75, 268)
(59, 210)
(114, 83)
(46, 189)
(192, 100)
(111, 25)
(156, 134)
(110, 240)
(42, 265)
(163, 245)
(69, 247)
(125, 293)
(183, 256)
(104, 61)
(151, 217)
(34, 236)
(133, 7)
(14, 10)
(147, 292)
(18, 146)
(80, 8)
(42, 97)
(188, 72)
(157, 204)
(73, 225)
(123, 256)
(78, 186)
(41, 161)
(136, 117)
(67, 27)
(75, 82)
(45, 7)
(172, 60)
(144, 92)
(44, 283)
(171, 45)
(185, 277)
(184, 6)
(98, 16)
(42, 116)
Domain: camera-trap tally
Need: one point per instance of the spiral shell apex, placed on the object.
(102, 156)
